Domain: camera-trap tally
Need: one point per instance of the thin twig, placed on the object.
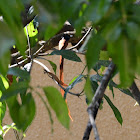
(18, 64)
(82, 48)
(16, 134)
(76, 94)
(82, 39)
(28, 40)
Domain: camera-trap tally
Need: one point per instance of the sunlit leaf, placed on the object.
(115, 110)
(31, 30)
(4, 83)
(2, 110)
(58, 104)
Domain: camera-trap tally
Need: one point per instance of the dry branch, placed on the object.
(135, 92)
(96, 102)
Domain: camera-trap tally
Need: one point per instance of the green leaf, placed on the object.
(111, 88)
(96, 78)
(115, 110)
(19, 73)
(67, 54)
(100, 63)
(2, 111)
(75, 79)
(58, 104)
(73, 83)
(6, 39)
(104, 55)
(88, 91)
(112, 31)
(3, 84)
(12, 16)
(135, 10)
(97, 9)
(61, 8)
(31, 30)
(25, 112)
(126, 91)
(4, 62)
(95, 44)
(124, 56)
(54, 66)
(14, 89)
(94, 85)
(133, 30)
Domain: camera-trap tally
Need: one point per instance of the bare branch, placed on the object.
(102, 87)
(135, 91)
(93, 124)
(97, 99)
(89, 126)
(87, 131)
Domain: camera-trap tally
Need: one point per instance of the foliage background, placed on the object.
(123, 32)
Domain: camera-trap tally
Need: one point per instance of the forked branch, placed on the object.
(96, 101)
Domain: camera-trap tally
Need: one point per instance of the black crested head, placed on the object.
(66, 37)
